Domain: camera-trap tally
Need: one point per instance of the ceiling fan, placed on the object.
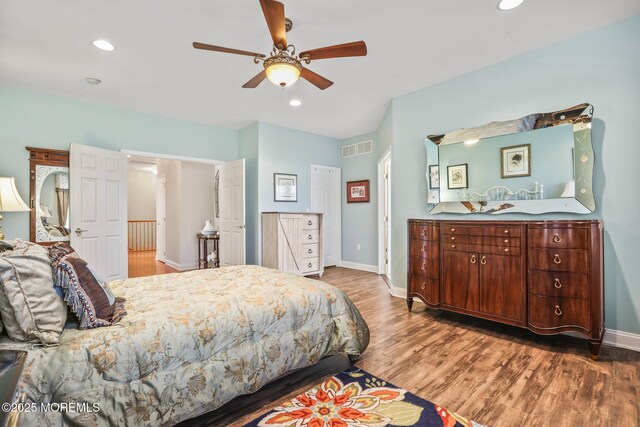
(283, 67)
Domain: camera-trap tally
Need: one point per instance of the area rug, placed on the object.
(355, 398)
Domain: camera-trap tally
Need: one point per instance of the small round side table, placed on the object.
(203, 250)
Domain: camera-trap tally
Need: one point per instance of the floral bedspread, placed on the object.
(189, 343)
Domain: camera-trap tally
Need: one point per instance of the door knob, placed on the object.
(80, 231)
(241, 226)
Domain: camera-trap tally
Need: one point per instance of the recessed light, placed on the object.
(93, 81)
(471, 141)
(509, 4)
(104, 45)
(295, 103)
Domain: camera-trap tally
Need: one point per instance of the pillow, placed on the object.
(87, 294)
(31, 310)
(58, 251)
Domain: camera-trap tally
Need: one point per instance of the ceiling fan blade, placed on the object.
(274, 14)
(337, 51)
(315, 79)
(204, 46)
(254, 82)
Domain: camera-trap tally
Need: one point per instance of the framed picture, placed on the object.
(434, 177)
(285, 187)
(515, 161)
(457, 176)
(358, 191)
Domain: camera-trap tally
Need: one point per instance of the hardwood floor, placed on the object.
(143, 263)
(495, 374)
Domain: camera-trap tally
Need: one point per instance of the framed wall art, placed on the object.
(285, 187)
(515, 161)
(457, 176)
(358, 191)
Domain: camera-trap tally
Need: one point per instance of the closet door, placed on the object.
(460, 280)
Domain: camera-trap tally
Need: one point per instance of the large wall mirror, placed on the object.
(49, 199)
(536, 164)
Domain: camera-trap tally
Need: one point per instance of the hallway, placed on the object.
(143, 263)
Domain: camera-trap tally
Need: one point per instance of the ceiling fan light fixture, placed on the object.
(282, 70)
(509, 4)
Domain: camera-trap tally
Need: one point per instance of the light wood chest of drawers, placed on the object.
(293, 242)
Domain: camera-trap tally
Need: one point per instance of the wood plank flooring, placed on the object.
(495, 374)
(143, 263)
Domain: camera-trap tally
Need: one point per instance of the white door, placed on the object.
(325, 198)
(384, 215)
(232, 247)
(98, 201)
(386, 206)
(161, 220)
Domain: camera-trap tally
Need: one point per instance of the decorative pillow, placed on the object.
(31, 310)
(87, 294)
(58, 251)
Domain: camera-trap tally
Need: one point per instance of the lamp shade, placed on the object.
(46, 212)
(569, 189)
(10, 200)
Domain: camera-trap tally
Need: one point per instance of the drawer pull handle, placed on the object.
(310, 222)
(453, 229)
(473, 259)
(506, 250)
(483, 261)
(310, 265)
(506, 240)
(506, 231)
(422, 287)
(453, 246)
(310, 251)
(424, 232)
(556, 259)
(310, 237)
(556, 238)
(424, 247)
(558, 311)
(557, 284)
(453, 238)
(424, 267)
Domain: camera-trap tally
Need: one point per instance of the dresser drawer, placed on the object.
(310, 222)
(559, 284)
(424, 232)
(423, 267)
(423, 248)
(309, 264)
(427, 287)
(575, 260)
(480, 240)
(482, 249)
(451, 229)
(559, 238)
(309, 236)
(555, 312)
(310, 251)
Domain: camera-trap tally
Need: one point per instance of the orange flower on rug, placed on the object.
(355, 398)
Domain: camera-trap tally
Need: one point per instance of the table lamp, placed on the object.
(10, 200)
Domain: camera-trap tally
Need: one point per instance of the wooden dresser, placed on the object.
(546, 276)
(293, 242)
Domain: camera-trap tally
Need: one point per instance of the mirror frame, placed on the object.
(57, 160)
(583, 202)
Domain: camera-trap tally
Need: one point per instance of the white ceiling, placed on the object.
(46, 46)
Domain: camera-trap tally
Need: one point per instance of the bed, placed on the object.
(190, 343)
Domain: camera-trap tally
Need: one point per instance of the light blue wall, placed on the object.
(359, 220)
(601, 67)
(41, 120)
(248, 150)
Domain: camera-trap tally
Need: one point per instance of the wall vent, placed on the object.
(358, 149)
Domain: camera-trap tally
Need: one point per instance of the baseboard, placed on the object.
(363, 267)
(612, 337)
(181, 267)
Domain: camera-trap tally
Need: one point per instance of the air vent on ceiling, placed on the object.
(358, 149)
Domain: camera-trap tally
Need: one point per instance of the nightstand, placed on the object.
(11, 366)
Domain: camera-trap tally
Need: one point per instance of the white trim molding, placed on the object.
(181, 267)
(612, 337)
(362, 267)
(171, 157)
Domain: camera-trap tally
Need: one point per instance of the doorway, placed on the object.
(326, 198)
(384, 216)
